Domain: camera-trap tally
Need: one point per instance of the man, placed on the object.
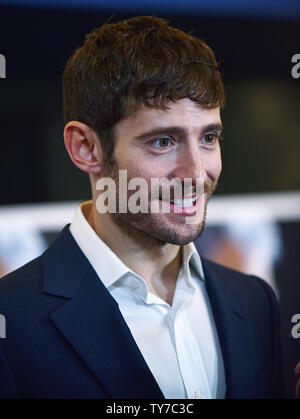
(122, 305)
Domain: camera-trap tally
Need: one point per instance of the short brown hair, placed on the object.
(139, 61)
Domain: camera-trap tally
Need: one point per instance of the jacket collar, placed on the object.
(231, 314)
(91, 322)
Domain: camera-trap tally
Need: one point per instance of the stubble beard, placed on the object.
(159, 228)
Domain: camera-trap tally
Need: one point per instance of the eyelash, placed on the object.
(160, 138)
(217, 138)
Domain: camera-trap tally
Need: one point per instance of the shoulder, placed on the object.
(235, 278)
(250, 290)
(23, 280)
(27, 281)
(22, 300)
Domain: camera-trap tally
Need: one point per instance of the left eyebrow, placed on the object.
(177, 130)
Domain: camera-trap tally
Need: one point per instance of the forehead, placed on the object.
(184, 113)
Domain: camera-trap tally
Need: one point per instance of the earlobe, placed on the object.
(83, 147)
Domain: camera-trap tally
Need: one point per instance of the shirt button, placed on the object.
(197, 394)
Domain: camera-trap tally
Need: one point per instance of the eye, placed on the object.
(162, 142)
(210, 138)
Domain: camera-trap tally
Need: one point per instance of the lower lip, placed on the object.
(183, 210)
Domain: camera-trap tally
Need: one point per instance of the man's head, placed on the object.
(139, 61)
(134, 76)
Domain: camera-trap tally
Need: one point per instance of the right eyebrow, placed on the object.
(160, 131)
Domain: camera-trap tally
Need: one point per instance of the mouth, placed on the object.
(184, 203)
(186, 206)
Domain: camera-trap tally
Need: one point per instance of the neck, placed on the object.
(158, 263)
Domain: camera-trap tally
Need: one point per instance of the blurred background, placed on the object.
(254, 217)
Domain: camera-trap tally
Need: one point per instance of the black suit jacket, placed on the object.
(65, 335)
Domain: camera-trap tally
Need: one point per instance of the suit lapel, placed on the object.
(91, 322)
(233, 327)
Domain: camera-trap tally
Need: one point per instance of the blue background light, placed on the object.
(256, 8)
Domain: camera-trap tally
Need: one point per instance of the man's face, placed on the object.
(181, 142)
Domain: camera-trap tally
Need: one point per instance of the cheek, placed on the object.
(137, 168)
(137, 165)
(219, 168)
(214, 167)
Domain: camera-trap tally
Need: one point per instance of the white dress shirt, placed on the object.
(179, 343)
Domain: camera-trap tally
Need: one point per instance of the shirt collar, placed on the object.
(105, 262)
(191, 259)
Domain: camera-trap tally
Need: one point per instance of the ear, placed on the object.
(83, 146)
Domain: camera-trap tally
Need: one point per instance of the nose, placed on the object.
(189, 163)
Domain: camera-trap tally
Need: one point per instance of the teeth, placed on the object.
(184, 202)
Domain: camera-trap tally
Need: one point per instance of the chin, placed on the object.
(172, 233)
(177, 232)
(179, 238)
(162, 230)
